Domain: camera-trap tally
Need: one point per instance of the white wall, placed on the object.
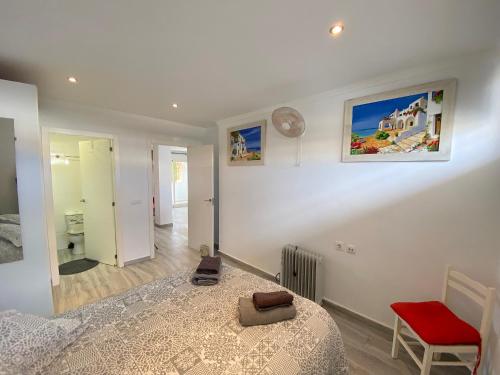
(66, 186)
(134, 186)
(164, 205)
(25, 285)
(407, 220)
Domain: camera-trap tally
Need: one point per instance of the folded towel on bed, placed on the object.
(271, 300)
(209, 265)
(250, 316)
(202, 279)
(205, 276)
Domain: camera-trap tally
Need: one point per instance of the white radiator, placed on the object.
(302, 272)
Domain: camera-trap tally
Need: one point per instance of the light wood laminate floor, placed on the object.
(103, 281)
(368, 346)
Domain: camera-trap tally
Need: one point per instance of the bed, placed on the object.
(11, 249)
(173, 327)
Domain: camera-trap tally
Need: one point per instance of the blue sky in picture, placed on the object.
(365, 117)
(252, 137)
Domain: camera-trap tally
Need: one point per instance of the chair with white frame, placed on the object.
(472, 289)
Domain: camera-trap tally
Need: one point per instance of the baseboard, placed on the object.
(357, 314)
(138, 260)
(256, 270)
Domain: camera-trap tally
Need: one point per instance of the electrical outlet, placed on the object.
(339, 246)
(351, 249)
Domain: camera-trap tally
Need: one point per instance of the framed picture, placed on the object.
(11, 247)
(246, 144)
(411, 124)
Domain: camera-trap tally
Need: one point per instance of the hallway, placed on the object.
(103, 281)
(173, 237)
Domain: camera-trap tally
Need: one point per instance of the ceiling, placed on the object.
(219, 58)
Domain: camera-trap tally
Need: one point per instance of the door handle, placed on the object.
(82, 200)
(211, 200)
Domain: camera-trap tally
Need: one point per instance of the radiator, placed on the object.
(302, 272)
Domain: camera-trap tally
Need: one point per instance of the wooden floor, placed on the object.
(368, 346)
(103, 281)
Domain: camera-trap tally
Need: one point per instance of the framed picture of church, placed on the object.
(411, 124)
(246, 144)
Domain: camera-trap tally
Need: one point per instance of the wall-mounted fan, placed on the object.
(290, 123)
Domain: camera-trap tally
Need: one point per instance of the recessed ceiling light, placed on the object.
(72, 79)
(336, 29)
(175, 105)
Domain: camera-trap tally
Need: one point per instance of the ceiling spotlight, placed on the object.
(175, 105)
(336, 29)
(72, 80)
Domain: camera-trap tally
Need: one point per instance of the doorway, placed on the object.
(179, 179)
(182, 201)
(170, 199)
(82, 188)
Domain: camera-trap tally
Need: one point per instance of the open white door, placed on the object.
(96, 170)
(201, 197)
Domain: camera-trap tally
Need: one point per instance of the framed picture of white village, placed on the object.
(411, 124)
(246, 144)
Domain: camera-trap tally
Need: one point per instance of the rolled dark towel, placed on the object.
(271, 300)
(209, 265)
(250, 316)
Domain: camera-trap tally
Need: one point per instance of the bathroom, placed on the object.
(83, 199)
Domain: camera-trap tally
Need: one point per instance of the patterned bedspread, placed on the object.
(172, 327)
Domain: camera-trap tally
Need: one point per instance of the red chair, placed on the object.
(439, 330)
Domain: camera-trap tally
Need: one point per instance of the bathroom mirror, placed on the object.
(11, 248)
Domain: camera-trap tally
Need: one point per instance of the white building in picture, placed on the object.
(422, 115)
(408, 121)
(238, 146)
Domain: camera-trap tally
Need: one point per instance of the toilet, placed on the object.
(74, 230)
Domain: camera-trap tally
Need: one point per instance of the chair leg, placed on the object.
(395, 340)
(427, 361)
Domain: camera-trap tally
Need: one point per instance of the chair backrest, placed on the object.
(474, 290)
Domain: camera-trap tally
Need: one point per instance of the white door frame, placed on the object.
(49, 200)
